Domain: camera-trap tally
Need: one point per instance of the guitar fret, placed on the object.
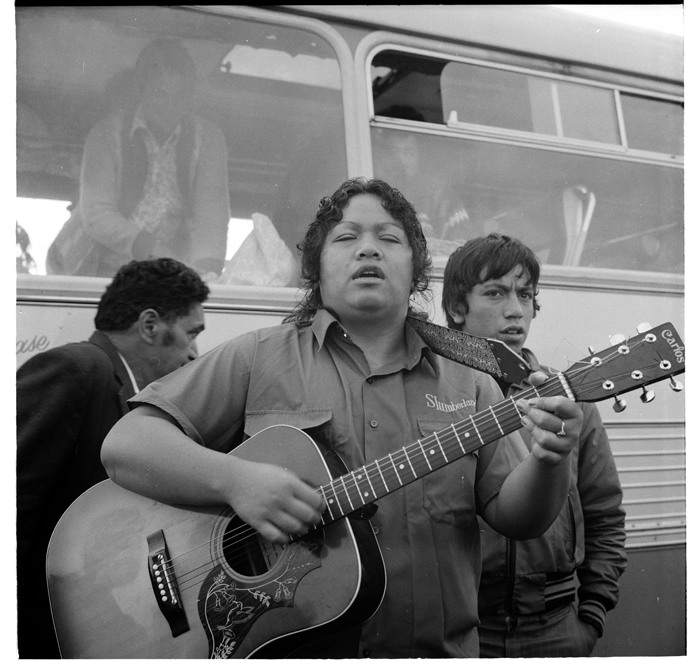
(328, 502)
(440, 445)
(335, 501)
(395, 470)
(369, 481)
(477, 430)
(357, 485)
(347, 492)
(379, 469)
(515, 406)
(459, 441)
(496, 419)
(410, 464)
(401, 458)
(425, 455)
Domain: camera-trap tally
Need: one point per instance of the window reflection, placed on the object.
(571, 209)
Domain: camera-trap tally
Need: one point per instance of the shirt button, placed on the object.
(370, 380)
(366, 652)
(375, 529)
(374, 423)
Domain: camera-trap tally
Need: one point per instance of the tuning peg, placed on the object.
(676, 385)
(591, 350)
(619, 405)
(647, 395)
(617, 339)
(643, 327)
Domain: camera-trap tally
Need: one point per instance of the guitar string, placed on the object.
(248, 532)
(238, 536)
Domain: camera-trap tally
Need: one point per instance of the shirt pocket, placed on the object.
(315, 422)
(448, 492)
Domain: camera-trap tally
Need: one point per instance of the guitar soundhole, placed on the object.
(246, 552)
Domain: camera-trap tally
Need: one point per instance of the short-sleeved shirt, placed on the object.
(316, 379)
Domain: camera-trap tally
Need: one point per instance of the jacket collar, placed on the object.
(126, 389)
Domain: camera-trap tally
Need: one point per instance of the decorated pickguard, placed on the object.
(229, 607)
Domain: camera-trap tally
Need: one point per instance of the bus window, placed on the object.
(493, 168)
(630, 213)
(264, 99)
(504, 99)
(403, 82)
(653, 125)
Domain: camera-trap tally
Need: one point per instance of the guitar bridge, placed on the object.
(164, 584)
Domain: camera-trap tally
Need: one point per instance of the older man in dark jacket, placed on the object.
(69, 397)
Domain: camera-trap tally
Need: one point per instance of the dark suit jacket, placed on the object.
(68, 398)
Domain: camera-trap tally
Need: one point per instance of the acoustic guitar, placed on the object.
(130, 577)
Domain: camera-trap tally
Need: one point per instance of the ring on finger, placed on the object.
(562, 432)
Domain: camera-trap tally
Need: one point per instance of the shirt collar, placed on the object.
(417, 348)
(129, 372)
(139, 123)
(323, 320)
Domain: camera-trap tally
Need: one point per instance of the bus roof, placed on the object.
(539, 30)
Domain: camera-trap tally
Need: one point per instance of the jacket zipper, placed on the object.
(573, 528)
(511, 620)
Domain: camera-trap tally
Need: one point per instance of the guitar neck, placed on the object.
(376, 479)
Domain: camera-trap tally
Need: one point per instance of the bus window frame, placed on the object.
(530, 137)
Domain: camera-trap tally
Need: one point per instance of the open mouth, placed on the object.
(513, 331)
(368, 272)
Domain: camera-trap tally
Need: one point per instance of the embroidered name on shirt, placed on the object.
(435, 403)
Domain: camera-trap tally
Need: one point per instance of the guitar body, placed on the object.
(235, 595)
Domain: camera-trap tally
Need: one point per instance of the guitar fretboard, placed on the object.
(376, 479)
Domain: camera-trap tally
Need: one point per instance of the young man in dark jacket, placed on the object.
(528, 588)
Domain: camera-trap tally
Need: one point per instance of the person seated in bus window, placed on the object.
(401, 160)
(68, 398)
(528, 588)
(347, 367)
(154, 176)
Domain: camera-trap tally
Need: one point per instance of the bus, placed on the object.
(558, 129)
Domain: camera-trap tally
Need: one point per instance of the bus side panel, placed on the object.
(650, 459)
(44, 326)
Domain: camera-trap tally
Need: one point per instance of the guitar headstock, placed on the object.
(651, 356)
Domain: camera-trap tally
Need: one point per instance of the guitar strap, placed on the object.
(475, 352)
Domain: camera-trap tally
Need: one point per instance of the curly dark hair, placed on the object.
(163, 284)
(330, 212)
(495, 254)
